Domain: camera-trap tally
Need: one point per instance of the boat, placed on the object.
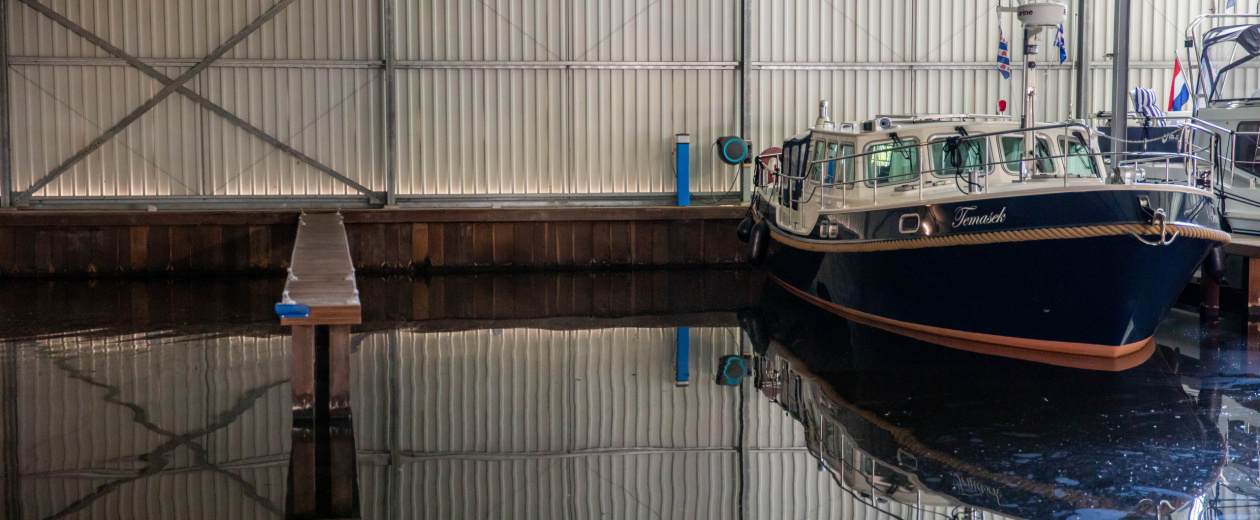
(1227, 101)
(919, 429)
(944, 225)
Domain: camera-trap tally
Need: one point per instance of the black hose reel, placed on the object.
(734, 150)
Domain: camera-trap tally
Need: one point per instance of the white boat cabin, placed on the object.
(848, 169)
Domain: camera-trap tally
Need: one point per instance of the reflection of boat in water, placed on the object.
(919, 424)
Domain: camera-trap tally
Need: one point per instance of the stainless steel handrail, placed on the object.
(1191, 160)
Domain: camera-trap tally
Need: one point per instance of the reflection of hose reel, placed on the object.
(733, 150)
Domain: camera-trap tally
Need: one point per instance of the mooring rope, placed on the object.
(998, 237)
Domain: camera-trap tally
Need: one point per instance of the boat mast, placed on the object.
(1035, 16)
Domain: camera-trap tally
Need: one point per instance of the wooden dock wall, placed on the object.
(35, 243)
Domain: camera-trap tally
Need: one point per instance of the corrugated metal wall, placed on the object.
(546, 98)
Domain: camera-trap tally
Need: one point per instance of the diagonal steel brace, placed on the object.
(176, 85)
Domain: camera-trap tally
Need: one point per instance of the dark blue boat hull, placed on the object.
(1098, 295)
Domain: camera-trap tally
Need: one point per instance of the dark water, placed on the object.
(557, 396)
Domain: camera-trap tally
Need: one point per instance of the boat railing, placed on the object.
(1198, 162)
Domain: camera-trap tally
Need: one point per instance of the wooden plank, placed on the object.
(24, 256)
(56, 262)
(482, 244)
(374, 251)
(236, 248)
(208, 248)
(7, 250)
(601, 243)
(583, 250)
(283, 236)
(459, 244)
(420, 245)
(620, 242)
(260, 247)
(550, 247)
(437, 245)
(641, 247)
(677, 242)
(78, 255)
(389, 245)
(712, 238)
(504, 243)
(104, 250)
(139, 244)
(181, 248)
(693, 231)
(404, 259)
(660, 243)
(563, 236)
(523, 253)
(1253, 289)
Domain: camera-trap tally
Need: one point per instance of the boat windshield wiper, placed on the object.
(901, 145)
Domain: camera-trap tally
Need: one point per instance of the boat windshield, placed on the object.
(1228, 66)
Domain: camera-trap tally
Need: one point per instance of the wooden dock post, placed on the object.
(320, 302)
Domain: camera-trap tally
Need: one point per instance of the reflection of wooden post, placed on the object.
(1209, 298)
(303, 379)
(1253, 289)
(342, 459)
(302, 474)
(1253, 347)
(339, 371)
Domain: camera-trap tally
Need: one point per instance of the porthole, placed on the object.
(909, 223)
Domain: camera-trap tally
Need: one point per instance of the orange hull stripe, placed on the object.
(1061, 347)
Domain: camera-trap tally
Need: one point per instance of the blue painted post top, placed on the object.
(682, 154)
(682, 374)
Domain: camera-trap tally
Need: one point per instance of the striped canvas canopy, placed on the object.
(1146, 104)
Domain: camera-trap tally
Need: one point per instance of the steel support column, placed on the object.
(143, 109)
(1120, 94)
(745, 105)
(388, 43)
(1084, 52)
(6, 148)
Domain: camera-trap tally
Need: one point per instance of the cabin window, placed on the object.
(815, 170)
(832, 149)
(843, 170)
(1078, 159)
(1013, 151)
(1245, 145)
(888, 165)
(971, 156)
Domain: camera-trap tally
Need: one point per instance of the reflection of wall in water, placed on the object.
(90, 408)
(519, 422)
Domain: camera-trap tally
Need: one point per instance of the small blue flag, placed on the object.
(1229, 4)
(1061, 44)
(1004, 56)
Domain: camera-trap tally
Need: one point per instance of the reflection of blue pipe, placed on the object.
(683, 166)
(682, 374)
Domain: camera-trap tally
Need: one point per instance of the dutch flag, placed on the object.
(1180, 93)
(1004, 55)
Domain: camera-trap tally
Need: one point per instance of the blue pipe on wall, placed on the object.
(682, 154)
(682, 374)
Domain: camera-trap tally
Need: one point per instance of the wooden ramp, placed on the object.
(321, 301)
